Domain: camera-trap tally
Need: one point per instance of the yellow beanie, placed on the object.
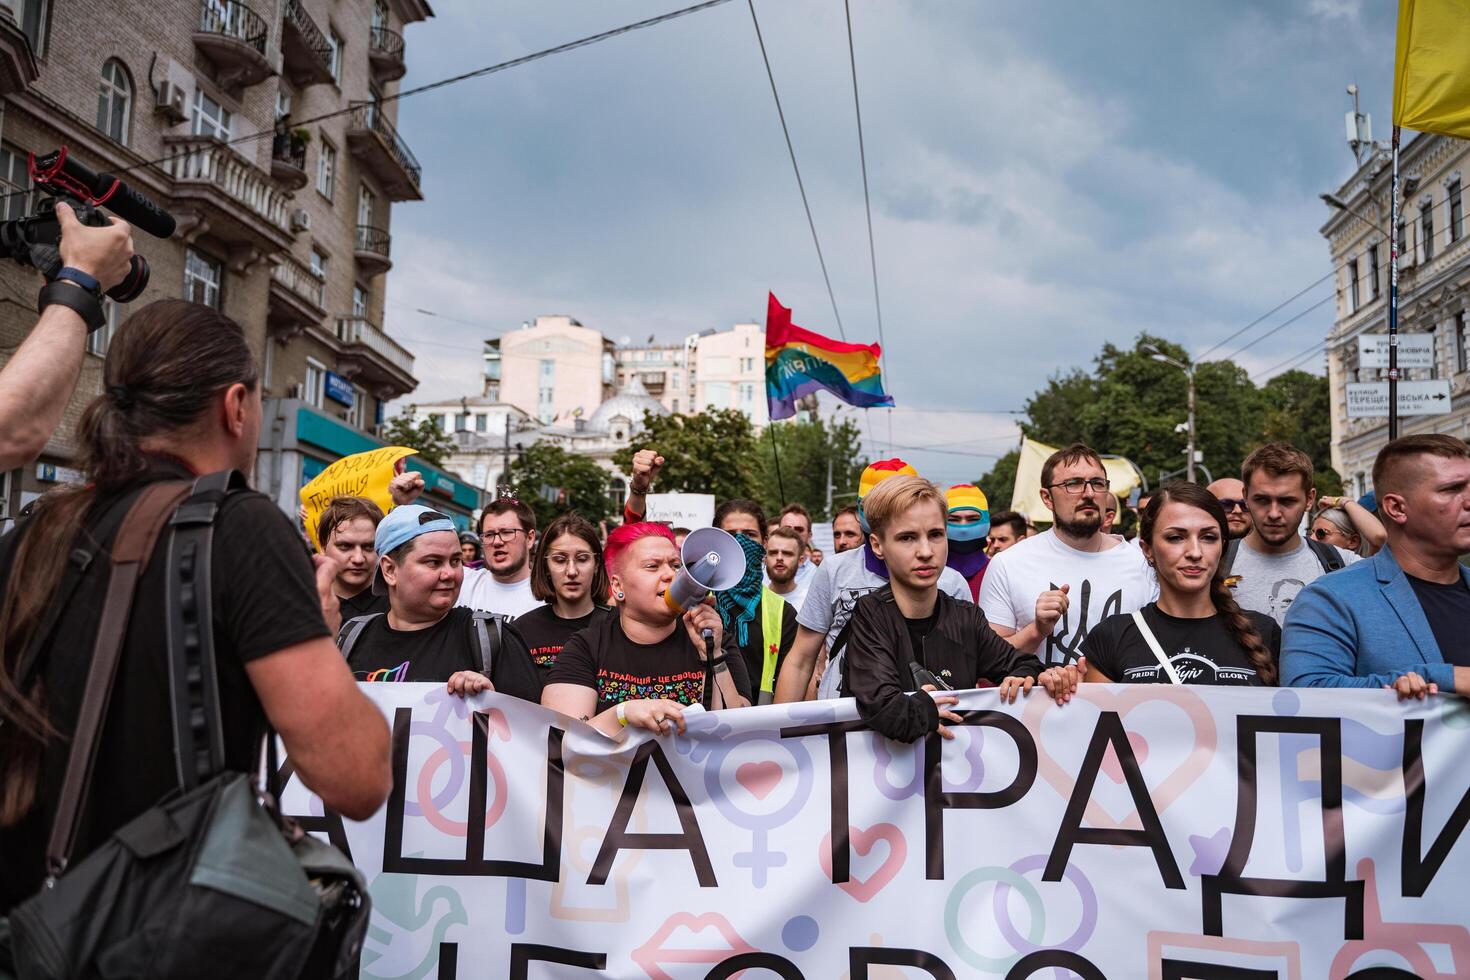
(877, 472)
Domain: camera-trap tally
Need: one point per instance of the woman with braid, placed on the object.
(1194, 633)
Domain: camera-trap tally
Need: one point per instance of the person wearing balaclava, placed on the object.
(967, 526)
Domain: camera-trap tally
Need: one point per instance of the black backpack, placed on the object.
(1326, 554)
(211, 881)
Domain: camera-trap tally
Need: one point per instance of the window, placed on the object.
(1457, 212)
(441, 422)
(98, 339)
(357, 415)
(1461, 363)
(1352, 271)
(462, 422)
(546, 392)
(318, 264)
(202, 276)
(1373, 271)
(1426, 228)
(676, 406)
(334, 54)
(210, 118)
(747, 393)
(326, 170)
(31, 16)
(1403, 231)
(359, 301)
(380, 14)
(482, 422)
(283, 102)
(313, 391)
(115, 101)
(367, 206)
(15, 180)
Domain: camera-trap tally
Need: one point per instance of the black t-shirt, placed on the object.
(1201, 651)
(546, 633)
(920, 628)
(753, 652)
(264, 600)
(1447, 607)
(363, 604)
(604, 659)
(384, 654)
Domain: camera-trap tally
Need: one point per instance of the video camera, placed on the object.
(34, 240)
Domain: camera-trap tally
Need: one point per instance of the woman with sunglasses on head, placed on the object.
(1348, 525)
(642, 665)
(568, 575)
(1194, 633)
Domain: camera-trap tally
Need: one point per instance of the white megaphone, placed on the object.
(713, 562)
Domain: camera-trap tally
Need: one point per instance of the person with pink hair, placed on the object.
(643, 666)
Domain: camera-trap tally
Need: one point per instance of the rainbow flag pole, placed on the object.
(799, 361)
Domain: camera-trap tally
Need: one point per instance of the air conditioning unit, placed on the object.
(172, 102)
(300, 220)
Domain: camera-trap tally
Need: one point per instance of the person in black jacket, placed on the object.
(908, 637)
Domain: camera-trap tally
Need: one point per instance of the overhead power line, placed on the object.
(1284, 323)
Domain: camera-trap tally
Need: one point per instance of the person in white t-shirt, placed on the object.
(796, 518)
(1047, 591)
(508, 532)
(783, 558)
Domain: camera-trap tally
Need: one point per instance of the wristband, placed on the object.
(623, 714)
(64, 292)
(83, 279)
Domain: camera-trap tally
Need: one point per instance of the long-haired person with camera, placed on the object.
(254, 626)
(1194, 633)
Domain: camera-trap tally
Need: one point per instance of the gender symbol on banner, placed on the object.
(1086, 895)
(1406, 940)
(430, 805)
(999, 876)
(758, 778)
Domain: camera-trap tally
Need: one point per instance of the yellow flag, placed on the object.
(1026, 497)
(1431, 78)
(359, 475)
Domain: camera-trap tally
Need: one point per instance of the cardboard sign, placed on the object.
(689, 510)
(359, 475)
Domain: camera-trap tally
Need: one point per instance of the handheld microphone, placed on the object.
(61, 171)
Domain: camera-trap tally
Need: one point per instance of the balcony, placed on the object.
(226, 195)
(371, 250)
(385, 55)
(288, 161)
(297, 298)
(306, 54)
(233, 37)
(378, 147)
(372, 356)
(18, 66)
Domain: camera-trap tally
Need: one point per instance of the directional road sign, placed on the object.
(1416, 350)
(1370, 399)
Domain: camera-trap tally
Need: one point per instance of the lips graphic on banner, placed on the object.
(692, 945)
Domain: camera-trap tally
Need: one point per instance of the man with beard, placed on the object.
(1056, 586)
(967, 524)
(783, 558)
(1231, 494)
(503, 586)
(847, 530)
(1279, 490)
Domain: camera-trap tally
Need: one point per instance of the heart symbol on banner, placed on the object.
(1123, 700)
(758, 778)
(1114, 768)
(863, 841)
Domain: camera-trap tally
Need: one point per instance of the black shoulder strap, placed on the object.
(1327, 555)
(199, 745)
(488, 647)
(350, 631)
(1227, 561)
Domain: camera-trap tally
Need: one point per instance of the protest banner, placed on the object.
(1138, 831)
(359, 475)
(691, 510)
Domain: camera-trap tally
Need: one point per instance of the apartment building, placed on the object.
(1434, 276)
(287, 231)
(552, 368)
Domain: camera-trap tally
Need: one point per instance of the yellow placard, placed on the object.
(359, 475)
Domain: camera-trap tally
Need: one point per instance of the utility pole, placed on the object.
(505, 459)
(1190, 474)
(829, 487)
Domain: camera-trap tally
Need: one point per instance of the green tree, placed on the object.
(806, 449)
(1000, 482)
(711, 452)
(426, 436)
(554, 482)
(1300, 412)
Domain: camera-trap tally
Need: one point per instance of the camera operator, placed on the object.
(38, 380)
(182, 398)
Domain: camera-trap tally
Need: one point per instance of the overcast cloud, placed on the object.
(1045, 177)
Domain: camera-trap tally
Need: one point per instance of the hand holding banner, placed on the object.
(359, 475)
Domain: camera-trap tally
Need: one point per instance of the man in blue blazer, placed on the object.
(1401, 619)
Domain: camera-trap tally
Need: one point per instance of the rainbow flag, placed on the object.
(799, 362)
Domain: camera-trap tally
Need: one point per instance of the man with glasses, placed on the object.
(1274, 560)
(1046, 592)
(503, 586)
(1231, 494)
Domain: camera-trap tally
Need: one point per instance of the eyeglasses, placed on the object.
(1232, 503)
(1076, 485)
(508, 535)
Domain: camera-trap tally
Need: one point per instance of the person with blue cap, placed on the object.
(967, 523)
(424, 636)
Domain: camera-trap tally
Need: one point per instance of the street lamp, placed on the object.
(1188, 370)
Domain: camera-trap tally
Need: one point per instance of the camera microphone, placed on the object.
(59, 170)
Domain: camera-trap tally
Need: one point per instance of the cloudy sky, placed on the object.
(1045, 177)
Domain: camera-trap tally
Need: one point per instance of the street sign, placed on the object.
(339, 389)
(1416, 350)
(1369, 399)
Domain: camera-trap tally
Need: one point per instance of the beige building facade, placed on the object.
(288, 233)
(730, 371)
(1434, 282)
(553, 368)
